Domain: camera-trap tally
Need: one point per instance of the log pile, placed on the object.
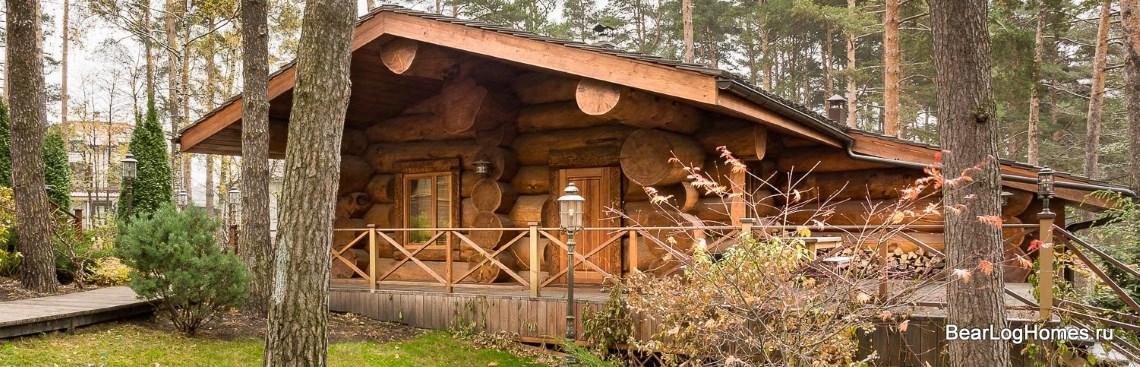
(900, 264)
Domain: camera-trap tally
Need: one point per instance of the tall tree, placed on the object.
(255, 247)
(152, 188)
(63, 65)
(891, 68)
(969, 135)
(5, 146)
(1096, 96)
(852, 87)
(29, 119)
(1035, 91)
(298, 309)
(174, 89)
(57, 169)
(1130, 22)
(687, 24)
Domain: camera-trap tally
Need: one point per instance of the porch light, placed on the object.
(482, 167)
(235, 205)
(1005, 195)
(1045, 182)
(570, 205)
(130, 167)
(183, 198)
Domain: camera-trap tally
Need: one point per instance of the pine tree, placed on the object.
(57, 170)
(5, 147)
(153, 187)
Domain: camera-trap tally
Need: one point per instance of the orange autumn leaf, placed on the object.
(992, 220)
(1023, 262)
(1034, 245)
(903, 325)
(986, 266)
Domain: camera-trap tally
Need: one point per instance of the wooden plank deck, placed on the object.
(68, 311)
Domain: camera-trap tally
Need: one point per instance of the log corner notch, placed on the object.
(635, 108)
(407, 57)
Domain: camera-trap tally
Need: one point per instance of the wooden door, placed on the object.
(601, 186)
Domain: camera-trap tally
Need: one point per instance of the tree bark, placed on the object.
(1130, 22)
(29, 121)
(1035, 92)
(144, 16)
(891, 69)
(298, 312)
(174, 91)
(852, 91)
(687, 25)
(969, 136)
(255, 248)
(63, 69)
(1096, 96)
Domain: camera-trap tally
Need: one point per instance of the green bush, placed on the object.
(176, 258)
(109, 271)
(9, 263)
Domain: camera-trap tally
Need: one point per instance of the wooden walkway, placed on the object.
(68, 311)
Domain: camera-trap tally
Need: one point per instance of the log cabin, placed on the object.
(460, 135)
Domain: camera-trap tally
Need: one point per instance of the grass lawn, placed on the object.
(133, 345)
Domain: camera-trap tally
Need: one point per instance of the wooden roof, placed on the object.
(377, 93)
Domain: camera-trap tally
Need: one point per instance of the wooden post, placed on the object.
(746, 226)
(448, 259)
(234, 238)
(372, 259)
(534, 285)
(79, 219)
(882, 271)
(632, 252)
(1045, 264)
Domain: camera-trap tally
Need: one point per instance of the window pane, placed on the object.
(443, 201)
(419, 208)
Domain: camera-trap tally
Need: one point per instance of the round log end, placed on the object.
(597, 98)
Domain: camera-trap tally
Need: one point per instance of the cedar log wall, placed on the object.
(535, 124)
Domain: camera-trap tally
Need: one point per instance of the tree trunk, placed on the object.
(1130, 22)
(969, 136)
(255, 248)
(1096, 96)
(687, 25)
(891, 69)
(63, 70)
(173, 92)
(210, 188)
(29, 121)
(298, 312)
(1035, 91)
(144, 16)
(828, 86)
(852, 92)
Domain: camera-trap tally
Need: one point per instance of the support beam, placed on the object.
(635, 108)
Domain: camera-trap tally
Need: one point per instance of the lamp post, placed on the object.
(570, 212)
(183, 199)
(235, 216)
(1045, 256)
(129, 174)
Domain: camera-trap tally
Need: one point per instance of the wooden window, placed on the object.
(428, 198)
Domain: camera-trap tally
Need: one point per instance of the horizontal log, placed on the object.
(468, 212)
(533, 149)
(357, 257)
(521, 252)
(384, 156)
(382, 188)
(501, 136)
(821, 159)
(746, 140)
(467, 181)
(859, 212)
(1017, 202)
(353, 204)
(647, 154)
(381, 215)
(635, 192)
(530, 208)
(355, 173)
(635, 108)
(411, 128)
(493, 196)
(537, 87)
(469, 107)
(407, 57)
(489, 272)
(603, 155)
(343, 238)
(353, 142)
(409, 271)
(862, 184)
(532, 180)
(503, 164)
(556, 116)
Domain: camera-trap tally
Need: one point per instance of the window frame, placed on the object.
(452, 201)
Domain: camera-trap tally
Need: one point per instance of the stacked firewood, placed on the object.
(899, 263)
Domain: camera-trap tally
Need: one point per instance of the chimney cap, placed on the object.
(836, 98)
(601, 28)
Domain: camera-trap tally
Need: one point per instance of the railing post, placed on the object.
(632, 251)
(882, 271)
(448, 260)
(372, 259)
(746, 225)
(534, 281)
(1045, 264)
(79, 219)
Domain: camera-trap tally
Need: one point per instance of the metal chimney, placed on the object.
(836, 108)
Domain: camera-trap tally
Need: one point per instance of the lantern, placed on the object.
(130, 167)
(1045, 182)
(482, 167)
(570, 205)
(183, 198)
